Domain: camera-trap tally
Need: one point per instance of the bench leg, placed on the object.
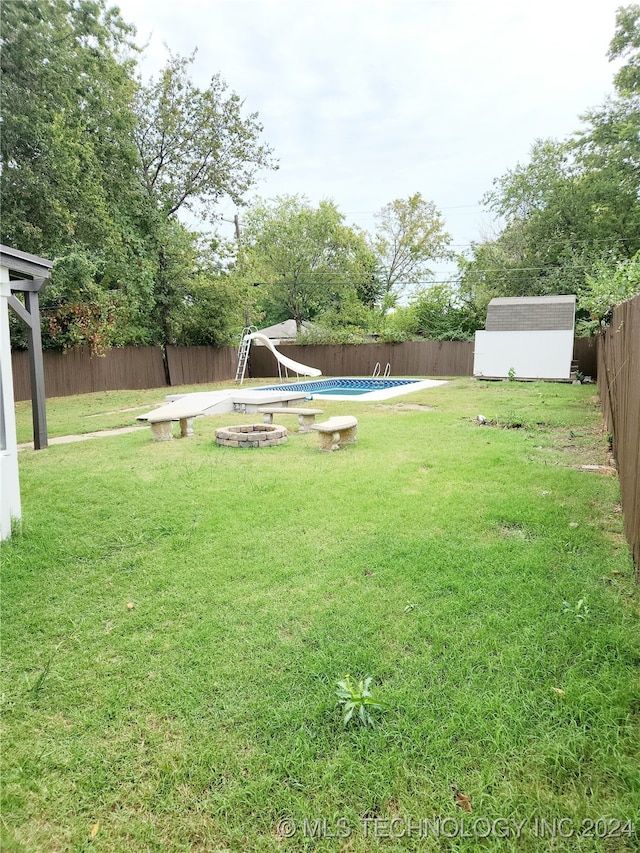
(335, 440)
(267, 418)
(326, 441)
(186, 427)
(305, 422)
(161, 431)
(348, 436)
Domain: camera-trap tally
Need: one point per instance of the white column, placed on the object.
(10, 508)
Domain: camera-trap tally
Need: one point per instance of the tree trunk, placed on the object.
(163, 303)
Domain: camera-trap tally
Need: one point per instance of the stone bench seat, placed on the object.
(335, 432)
(161, 420)
(306, 417)
(249, 402)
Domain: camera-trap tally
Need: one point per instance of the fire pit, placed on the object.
(251, 435)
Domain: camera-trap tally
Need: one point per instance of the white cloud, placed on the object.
(365, 101)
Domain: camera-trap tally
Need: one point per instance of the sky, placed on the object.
(368, 101)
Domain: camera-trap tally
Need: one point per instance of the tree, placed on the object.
(626, 44)
(306, 257)
(409, 235)
(96, 168)
(68, 161)
(604, 289)
(195, 147)
(572, 210)
(207, 303)
(69, 180)
(442, 314)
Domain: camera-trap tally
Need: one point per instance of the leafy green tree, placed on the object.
(76, 310)
(347, 312)
(409, 235)
(625, 44)
(209, 304)
(97, 166)
(560, 216)
(566, 211)
(604, 289)
(306, 258)
(572, 210)
(69, 180)
(195, 148)
(442, 314)
(67, 153)
(608, 146)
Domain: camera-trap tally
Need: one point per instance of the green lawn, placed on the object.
(176, 617)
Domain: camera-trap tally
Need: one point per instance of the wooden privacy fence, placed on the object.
(416, 358)
(619, 386)
(78, 372)
(194, 365)
(75, 371)
(585, 353)
(419, 358)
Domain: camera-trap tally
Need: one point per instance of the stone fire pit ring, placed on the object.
(251, 435)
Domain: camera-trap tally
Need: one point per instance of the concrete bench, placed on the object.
(161, 420)
(248, 402)
(306, 417)
(336, 431)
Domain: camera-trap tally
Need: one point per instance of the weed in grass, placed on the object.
(512, 420)
(357, 701)
(38, 684)
(580, 610)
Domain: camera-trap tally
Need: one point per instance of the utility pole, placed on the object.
(236, 224)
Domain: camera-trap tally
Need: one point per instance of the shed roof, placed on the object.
(531, 313)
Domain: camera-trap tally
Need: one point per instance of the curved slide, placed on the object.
(289, 363)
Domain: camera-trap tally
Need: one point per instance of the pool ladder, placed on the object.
(376, 370)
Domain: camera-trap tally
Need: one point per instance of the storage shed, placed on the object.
(528, 337)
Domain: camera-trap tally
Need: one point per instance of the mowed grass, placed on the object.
(175, 618)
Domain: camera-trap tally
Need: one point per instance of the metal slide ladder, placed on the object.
(243, 353)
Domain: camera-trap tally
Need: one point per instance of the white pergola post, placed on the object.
(10, 507)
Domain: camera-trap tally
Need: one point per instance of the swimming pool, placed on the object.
(351, 388)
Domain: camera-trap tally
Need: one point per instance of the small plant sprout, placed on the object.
(580, 610)
(357, 700)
